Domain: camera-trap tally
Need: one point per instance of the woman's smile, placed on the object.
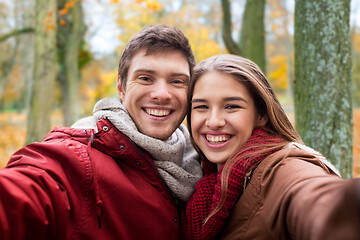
(223, 115)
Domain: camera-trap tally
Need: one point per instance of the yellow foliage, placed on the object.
(148, 2)
(202, 46)
(278, 77)
(15, 87)
(70, 4)
(13, 135)
(95, 85)
(153, 5)
(62, 22)
(356, 143)
(133, 17)
(108, 82)
(275, 27)
(46, 21)
(67, 7)
(49, 28)
(356, 42)
(63, 11)
(13, 129)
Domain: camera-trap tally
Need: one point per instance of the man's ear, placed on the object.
(262, 120)
(120, 89)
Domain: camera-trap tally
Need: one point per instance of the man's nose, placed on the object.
(161, 91)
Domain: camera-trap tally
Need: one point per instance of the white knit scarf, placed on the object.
(175, 158)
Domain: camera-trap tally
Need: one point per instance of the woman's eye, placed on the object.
(199, 107)
(232, 106)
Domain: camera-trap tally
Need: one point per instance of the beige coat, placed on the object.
(296, 197)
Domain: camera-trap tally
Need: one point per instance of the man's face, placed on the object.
(155, 93)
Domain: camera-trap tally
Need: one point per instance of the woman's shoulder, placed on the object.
(303, 150)
(292, 164)
(276, 178)
(294, 157)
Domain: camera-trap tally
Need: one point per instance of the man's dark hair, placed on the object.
(155, 38)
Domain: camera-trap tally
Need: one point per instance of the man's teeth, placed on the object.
(158, 112)
(216, 139)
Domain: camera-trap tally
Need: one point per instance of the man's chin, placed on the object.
(158, 133)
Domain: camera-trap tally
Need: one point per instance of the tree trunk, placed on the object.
(71, 36)
(252, 40)
(229, 42)
(322, 88)
(42, 90)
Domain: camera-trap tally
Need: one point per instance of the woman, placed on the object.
(260, 181)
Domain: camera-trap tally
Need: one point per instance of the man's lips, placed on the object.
(158, 112)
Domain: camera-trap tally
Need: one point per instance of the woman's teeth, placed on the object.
(216, 139)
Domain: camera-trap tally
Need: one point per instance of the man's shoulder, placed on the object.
(85, 123)
(62, 133)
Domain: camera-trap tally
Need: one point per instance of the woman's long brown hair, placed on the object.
(266, 103)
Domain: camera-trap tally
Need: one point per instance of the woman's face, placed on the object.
(223, 116)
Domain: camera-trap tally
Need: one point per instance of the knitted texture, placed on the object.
(208, 190)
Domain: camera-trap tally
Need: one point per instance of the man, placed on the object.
(121, 173)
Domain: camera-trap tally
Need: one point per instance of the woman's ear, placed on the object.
(262, 120)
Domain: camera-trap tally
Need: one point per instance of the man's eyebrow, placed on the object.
(180, 74)
(144, 70)
(175, 74)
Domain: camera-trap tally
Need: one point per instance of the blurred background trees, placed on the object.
(90, 35)
(43, 81)
(72, 56)
(252, 37)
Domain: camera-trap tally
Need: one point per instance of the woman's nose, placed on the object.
(215, 120)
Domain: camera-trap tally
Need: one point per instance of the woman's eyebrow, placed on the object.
(235, 99)
(198, 100)
(226, 99)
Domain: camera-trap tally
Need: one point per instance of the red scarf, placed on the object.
(208, 189)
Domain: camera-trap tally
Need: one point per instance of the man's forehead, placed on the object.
(144, 55)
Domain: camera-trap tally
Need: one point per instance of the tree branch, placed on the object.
(15, 33)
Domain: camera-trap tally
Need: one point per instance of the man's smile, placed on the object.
(157, 112)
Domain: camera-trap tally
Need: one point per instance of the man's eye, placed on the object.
(178, 82)
(145, 78)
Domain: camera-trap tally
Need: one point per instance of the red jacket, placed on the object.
(77, 184)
